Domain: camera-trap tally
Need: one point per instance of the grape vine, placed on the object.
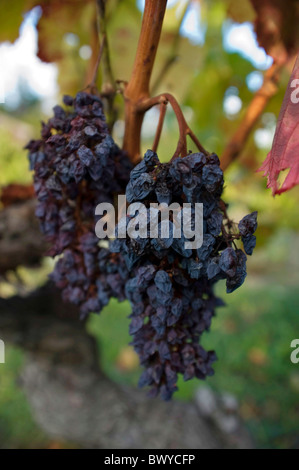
(77, 165)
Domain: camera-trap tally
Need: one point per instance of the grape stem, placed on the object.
(184, 129)
(163, 109)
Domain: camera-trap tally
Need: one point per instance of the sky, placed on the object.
(19, 63)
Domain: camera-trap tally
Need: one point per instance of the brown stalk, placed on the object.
(163, 109)
(253, 113)
(137, 88)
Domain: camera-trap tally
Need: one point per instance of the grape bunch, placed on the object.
(76, 166)
(171, 288)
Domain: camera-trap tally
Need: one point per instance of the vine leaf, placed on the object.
(284, 153)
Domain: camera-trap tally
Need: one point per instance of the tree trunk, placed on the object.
(21, 242)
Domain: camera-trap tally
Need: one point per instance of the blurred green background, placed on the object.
(252, 334)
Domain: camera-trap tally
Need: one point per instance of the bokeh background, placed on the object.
(216, 67)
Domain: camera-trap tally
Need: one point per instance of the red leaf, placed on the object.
(285, 149)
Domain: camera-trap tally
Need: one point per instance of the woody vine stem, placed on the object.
(137, 90)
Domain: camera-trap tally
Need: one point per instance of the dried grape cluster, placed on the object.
(171, 287)
(76, 166)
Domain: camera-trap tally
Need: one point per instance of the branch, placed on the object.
(95, 46)
(254, 111)
(108, 77)
(21, 242)
(101, 55)
(138, 86)
(97, 64)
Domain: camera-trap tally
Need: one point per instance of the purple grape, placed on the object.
(171, 287)
(77, 165)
